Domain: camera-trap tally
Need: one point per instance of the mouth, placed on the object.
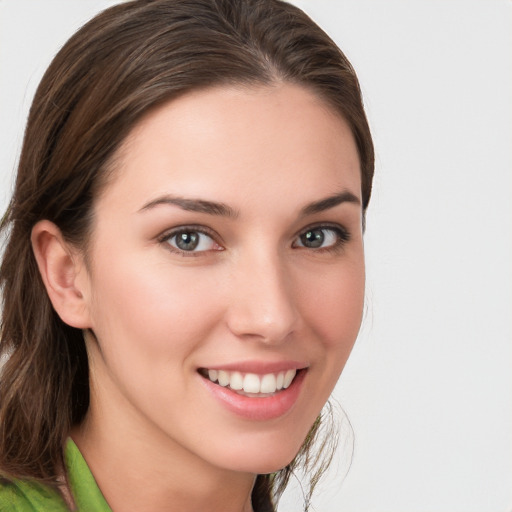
(255, 390)
(251, 384)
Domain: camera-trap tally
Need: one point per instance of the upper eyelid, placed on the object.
(342, 234)
(169, 233)
(324, 225)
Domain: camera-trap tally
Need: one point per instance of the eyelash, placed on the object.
(168, 236)
(341, 234)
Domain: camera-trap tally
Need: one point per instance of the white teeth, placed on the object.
(223, 378)
(288, 377)
(237, 381)
(268, 383)
(252, 383)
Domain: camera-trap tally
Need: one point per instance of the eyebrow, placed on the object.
(193, 205)
(223, 210)
(330, 202)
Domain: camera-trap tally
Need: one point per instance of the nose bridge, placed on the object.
(263, 305)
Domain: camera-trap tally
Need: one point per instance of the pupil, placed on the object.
(187, 241)
(313, 238)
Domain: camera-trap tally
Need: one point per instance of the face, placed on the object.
(226, 280)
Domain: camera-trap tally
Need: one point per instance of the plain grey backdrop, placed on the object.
(428, 388)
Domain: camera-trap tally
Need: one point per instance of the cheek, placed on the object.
(334, 306)
(150, 305)
(332, 310)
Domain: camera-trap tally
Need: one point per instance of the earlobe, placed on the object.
(62, 271)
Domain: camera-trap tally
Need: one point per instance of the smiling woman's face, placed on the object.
(226, 281)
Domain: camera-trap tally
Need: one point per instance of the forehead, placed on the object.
(238, 141)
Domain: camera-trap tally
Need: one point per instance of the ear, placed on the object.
(63, 272)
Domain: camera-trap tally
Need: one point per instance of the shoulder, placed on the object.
(25, 496)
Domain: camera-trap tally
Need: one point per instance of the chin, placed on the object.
(263, 458)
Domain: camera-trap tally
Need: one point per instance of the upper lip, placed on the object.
(258, 367)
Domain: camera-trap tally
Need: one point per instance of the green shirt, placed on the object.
(26, 496)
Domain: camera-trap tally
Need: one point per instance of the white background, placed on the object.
(428, 388)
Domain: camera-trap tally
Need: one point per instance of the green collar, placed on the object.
(31, 496)
(83, 486)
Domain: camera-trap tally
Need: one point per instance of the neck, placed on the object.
(146, 471)
(144, 479)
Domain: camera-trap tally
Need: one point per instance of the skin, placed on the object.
(154, 435)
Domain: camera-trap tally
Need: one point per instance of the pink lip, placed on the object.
(260, 367)
(260, 409)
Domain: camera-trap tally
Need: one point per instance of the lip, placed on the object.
(258, 409)
(260, 367)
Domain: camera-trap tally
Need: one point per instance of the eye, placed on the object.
(322, 237)
(189, 240)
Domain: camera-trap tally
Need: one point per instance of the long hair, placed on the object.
(125, 61)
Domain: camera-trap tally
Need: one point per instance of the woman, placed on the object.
(184, 273)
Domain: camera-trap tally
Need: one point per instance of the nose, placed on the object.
(262, 304)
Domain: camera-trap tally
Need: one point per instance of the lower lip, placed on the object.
(260, 409)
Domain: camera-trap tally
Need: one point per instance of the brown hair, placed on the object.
(125, 61)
